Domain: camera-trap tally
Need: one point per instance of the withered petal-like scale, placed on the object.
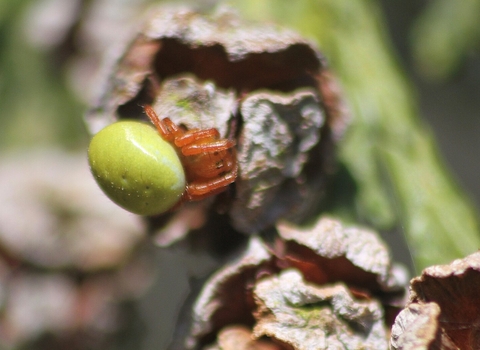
(417, 328)
(317, 317)
(455, 289)
(226, 298)
(219, 48)
(350, 254)
(329, 272)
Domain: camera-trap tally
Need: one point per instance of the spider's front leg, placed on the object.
(168, 129)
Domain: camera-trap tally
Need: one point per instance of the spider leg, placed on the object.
(197, 191)
(210, 147)
(152, 115)
(165, 127)
(175, 130)
(196, 135)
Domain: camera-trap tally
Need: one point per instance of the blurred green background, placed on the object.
(38, 107)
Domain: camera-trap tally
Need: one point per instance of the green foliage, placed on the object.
(37, 107)
(398, 178)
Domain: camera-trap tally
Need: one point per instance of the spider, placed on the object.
(209, 162)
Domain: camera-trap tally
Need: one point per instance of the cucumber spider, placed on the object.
(209, 161)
